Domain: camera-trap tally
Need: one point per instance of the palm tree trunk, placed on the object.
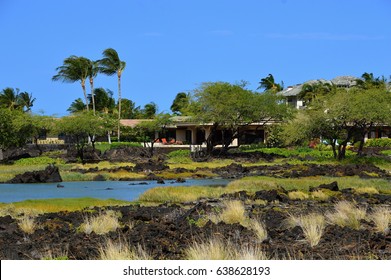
(83, 86)
(92, 94)
(119, 106)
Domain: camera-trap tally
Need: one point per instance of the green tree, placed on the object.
(110, 65)
(79, 128)
(147, 129)
(268, 84)
(228, 107)
(150, 110)
(15, 128)
(346, 116)
(74, 69)
(180, 105)
(104, 101)
(76, 106)
(368, 80)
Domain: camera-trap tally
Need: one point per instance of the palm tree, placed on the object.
(9, 98)
(93, 70)
(26, 100)
(368, 80)
(74, 69)
(110, 65)
(76, 106)
(104, 100)
(269, 84)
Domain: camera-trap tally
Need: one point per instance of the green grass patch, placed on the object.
(104, 146)
(179, 157)
(61, 204)
(42, 160)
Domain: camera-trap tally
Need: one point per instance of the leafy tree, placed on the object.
(150, 110)
(104, 101)
(268, 84)
(80, 127)
(110, 65)
(228, 107)
(15, 128)
(146, 130)
(368, 80)
(26, 101)
(346, 116)
(74, 69)
(180, 105)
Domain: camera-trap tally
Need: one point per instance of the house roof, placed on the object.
(133, 122)
(340, 81)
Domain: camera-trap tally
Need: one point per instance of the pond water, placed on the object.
(123, 190)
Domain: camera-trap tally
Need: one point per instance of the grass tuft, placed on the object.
(101, 224)
(121, 251)
(259, 229)
(27, 224)
(381, 216)
(313, 226)
(346, 214)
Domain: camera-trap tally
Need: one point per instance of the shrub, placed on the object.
(346, 214)
(378, 142)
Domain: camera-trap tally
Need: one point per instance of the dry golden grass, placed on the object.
(367, 190)
(249, 253)
(121, 251)
(381, 216)
(101, 224)
(320, 195)
(313, 226)
(346, 214)
(298, 195)
(212, 249)
(233, 212)
(27, 224)
(216, 249)
(259, 229)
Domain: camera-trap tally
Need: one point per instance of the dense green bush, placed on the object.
(378, 142)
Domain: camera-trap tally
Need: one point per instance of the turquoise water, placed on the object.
(122, 190)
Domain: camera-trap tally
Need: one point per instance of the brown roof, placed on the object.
(133, 122)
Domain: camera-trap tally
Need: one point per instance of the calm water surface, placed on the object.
(123, 190)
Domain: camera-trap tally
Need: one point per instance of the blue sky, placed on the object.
(172, 46)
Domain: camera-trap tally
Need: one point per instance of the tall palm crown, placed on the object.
(111, 64)
(74, 69)
(9, 98)
(269, 84)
